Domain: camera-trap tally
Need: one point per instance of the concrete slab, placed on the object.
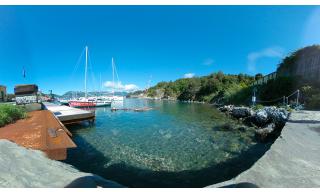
(293, 159)
(21, 167)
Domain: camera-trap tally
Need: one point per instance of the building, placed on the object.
(3, 93)
(265, 78)
(26, 94)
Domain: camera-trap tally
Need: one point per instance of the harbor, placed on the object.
(159, 96)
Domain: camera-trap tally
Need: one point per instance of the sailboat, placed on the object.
(85, 101)
(114, 70)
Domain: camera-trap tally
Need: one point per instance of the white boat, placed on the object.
(63, 101)
(85, 101)
(113, 97)
(117, 98)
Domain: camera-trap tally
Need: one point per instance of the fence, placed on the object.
(284, 99)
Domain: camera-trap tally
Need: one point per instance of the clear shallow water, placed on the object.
(175, 145)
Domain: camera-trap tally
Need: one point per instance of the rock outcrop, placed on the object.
(242, 112)
(268, 120)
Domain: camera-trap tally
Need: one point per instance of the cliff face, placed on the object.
(304, 62)
(21, 167)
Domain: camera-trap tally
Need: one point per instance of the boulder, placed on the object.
(268, 133)
(265, 116)
(242, 112)
(226, 108)
(278, 115)
(261, 118)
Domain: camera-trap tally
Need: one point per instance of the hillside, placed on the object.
(214, 88)
(222, 88)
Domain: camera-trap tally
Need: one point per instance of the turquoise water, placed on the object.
(174, 145)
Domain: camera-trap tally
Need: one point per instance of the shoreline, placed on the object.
(71, 165)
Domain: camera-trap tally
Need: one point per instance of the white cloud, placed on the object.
(188, 75)
(208, 62)
(271, 52)
(119, 86)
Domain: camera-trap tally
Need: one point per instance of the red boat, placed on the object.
(88, 102)
(82, 104)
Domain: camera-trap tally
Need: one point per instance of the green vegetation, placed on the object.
(11, 113)
(220, 88)
(214, 88)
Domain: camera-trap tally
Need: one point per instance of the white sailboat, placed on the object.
(85, 101)
(114, 98)
(114, 70)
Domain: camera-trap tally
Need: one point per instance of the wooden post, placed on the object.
(298, 94)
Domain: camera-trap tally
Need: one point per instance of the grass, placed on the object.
(11, 113)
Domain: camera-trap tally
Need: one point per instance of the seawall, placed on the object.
(292, 160)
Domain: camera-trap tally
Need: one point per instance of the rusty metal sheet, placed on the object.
(32, 132)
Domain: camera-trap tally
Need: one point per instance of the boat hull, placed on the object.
(80, 104)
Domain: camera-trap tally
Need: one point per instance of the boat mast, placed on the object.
(100, 85)
(113, 77)
(85, 74)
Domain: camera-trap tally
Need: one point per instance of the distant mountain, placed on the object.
(71, 94)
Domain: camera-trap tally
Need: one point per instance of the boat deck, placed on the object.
(69, 115)
(41, 130)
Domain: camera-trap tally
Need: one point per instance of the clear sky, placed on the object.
(157, 43)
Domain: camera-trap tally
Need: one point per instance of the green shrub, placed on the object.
(257, 107)
(313, 102)
(11, 113)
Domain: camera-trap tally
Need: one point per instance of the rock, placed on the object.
(226, 127)
(242, 128)
(265, 133)
(265, 116)
(261, 118)
(242, 112)
(278, 115)
(226, 108)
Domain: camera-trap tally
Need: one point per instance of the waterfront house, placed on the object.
(26, 94)
(3, 93)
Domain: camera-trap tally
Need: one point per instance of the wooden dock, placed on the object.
(69, 115)
(41, 130)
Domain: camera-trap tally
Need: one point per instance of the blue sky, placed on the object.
(157, 43)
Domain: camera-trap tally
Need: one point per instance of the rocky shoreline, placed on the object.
(267, 121)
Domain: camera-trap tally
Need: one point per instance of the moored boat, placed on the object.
(91, 101)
